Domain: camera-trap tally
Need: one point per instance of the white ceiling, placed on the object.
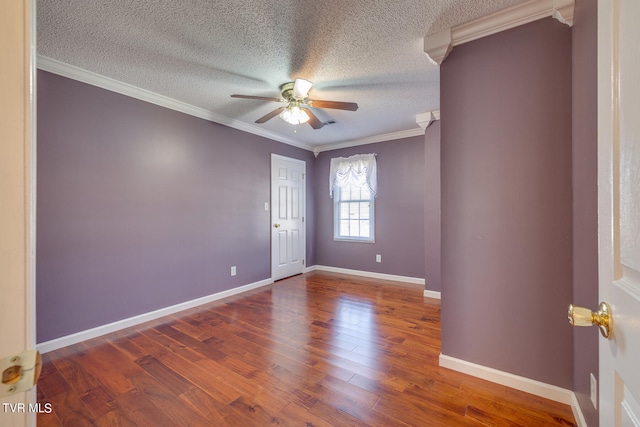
(201, 51)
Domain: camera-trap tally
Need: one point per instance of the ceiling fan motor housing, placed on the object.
(287, 91)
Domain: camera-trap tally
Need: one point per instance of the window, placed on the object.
(353, 184)
(353, 216)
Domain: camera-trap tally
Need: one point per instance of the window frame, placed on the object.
(337, 201)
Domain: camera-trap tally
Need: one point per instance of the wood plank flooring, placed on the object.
(320, 349)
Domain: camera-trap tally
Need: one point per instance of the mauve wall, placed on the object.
(432, 226)
(506, 202)
(585, 202)
(141, 207)
(399, 211)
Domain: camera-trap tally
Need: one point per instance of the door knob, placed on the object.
(580, 316)
(276, 225)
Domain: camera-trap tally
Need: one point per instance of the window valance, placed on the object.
(355, 170)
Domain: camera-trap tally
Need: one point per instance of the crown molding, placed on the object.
(369, 140)
(425, 119)
(437, 46)
(75, 73)
(563, 11)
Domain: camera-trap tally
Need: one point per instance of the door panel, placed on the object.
(619, 208)
(295, 203)
(295, 246)
(282, 247)
(630, 409)
(282, 201)
(288, 229)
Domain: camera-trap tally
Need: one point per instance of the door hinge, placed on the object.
(303, 175)
(302, 262)
(302, 219)
(20, 372)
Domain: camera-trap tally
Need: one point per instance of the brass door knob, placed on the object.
(276, 225)
(580, 316)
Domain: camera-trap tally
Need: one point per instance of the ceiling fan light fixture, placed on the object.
(301, 88)
(294, 115)
(298, 108)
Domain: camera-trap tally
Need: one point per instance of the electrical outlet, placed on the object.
(378, 258)
(594, 391)
(233, 270)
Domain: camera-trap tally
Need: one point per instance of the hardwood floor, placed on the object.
(318, 349)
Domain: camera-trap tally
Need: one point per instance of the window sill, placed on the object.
(352, 239)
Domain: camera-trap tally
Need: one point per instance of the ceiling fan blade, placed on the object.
(336, 105)
(271, 115)
(313, 120)
(263, 98)
(301, 88)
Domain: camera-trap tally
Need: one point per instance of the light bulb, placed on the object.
(294, 115)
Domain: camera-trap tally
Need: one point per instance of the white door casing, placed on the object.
(619, 208)
(17, 133)
(288, 202)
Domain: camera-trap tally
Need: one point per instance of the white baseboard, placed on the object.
(527, 385)
(577, 411)
(57, 343)
(431, 294)
(383, 276)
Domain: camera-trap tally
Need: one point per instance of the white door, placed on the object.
(15, 198)
(619, 208)
(288, 246)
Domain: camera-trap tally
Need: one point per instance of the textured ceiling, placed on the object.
(201, 51)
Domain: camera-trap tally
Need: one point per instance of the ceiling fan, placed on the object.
(296, 111)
